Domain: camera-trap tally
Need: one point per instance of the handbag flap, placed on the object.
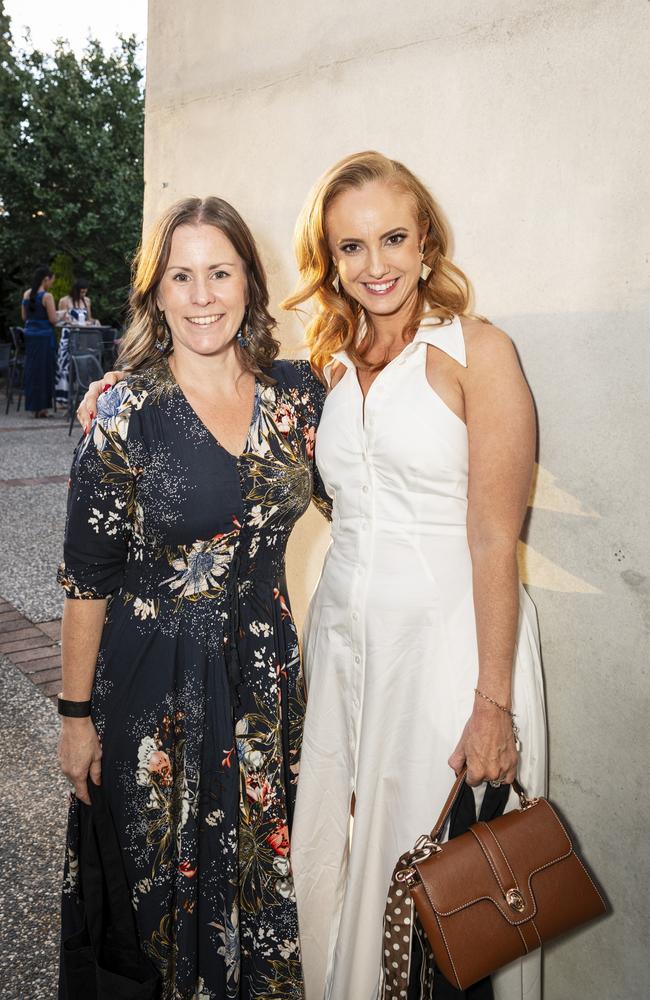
(496, 861)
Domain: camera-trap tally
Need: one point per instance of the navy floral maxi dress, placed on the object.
(198, 697)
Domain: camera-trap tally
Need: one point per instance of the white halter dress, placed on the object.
(391, 662)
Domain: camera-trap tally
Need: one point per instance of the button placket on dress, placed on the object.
(360, 587)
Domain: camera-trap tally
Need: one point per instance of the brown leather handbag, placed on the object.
(489, 896)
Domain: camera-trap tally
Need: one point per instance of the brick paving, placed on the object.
(34, 648)
(35, 457)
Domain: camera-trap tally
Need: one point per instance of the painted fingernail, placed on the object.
(92, 415)
(85, 431)
(107, 387)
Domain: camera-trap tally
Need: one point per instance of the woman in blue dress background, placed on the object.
(39, 316)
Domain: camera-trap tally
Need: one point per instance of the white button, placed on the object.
(355, 616)
(364, 489)
(357, 659)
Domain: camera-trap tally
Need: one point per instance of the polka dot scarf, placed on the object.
(400, 927)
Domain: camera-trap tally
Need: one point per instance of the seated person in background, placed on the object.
(76, 306)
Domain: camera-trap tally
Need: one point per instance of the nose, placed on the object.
(203, 293)
(377, 267)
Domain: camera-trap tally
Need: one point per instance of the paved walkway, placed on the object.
(35, 459)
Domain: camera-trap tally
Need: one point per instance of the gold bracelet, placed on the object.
(515, 727)
(486, 697)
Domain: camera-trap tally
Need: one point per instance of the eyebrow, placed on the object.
(391, 232)
(210, 267)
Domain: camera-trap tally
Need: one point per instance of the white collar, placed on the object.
(447, 335)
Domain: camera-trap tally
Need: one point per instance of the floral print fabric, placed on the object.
(198, 696)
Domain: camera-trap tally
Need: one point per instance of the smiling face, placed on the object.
(374, 238)
(204, 290)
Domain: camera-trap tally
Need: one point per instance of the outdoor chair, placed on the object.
(5, 364)
(109, 352)
(82, 341)
(16, 374)
(84, 369)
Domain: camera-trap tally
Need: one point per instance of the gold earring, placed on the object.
(336, 282)
(425, 270)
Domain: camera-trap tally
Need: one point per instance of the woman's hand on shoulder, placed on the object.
(88, 407)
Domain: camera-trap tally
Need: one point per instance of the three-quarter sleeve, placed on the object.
(101, 504)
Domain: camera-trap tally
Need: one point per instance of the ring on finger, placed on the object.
(497, 783)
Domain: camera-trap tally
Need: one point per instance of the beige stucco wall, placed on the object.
(526, 119)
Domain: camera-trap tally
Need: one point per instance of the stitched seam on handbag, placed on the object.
(562, 826)
(592, 882)
(554, 861)
(536, 931)
(494, 837)
(447, 948)
(489, 860)
(549, 864)
(524, 939)
(470, 902)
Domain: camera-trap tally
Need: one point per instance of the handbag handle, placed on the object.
(436, 833)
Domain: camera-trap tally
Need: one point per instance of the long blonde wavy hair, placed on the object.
(146, 328)
(334, 325)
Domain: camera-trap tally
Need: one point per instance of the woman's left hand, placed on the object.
(487, 747)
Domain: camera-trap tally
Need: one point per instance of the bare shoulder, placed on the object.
(337, 372)
(488, 347)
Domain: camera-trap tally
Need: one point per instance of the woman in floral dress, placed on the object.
(178, 627)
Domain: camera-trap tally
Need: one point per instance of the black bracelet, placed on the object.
(73, 709)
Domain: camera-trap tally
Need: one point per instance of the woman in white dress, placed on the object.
(426, 446)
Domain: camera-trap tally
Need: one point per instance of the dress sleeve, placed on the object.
(101, 503)
(312, 396)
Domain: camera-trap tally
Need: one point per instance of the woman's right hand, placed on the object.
(88, 407)
(80, 754)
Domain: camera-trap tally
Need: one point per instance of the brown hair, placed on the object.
(337, 316)
(144, 330)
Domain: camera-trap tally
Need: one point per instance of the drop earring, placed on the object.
(336, 283)
(425, 270)
(243, 336)
(165, 342)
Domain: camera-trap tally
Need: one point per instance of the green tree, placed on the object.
(63, 267)
(71, 172)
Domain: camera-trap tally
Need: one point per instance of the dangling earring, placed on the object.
(336, 281)
(425, 270)
(243, 336)
(165, 342)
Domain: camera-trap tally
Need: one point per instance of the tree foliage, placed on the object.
(71, 171)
